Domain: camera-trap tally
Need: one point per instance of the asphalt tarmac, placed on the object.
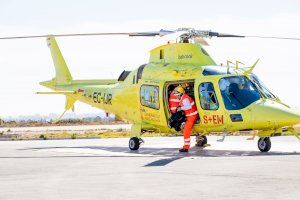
(107, 169)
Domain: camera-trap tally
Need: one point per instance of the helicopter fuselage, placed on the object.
(141, 97)
(228, 99)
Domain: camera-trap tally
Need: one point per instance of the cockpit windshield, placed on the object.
(238, 92)
(266, 92)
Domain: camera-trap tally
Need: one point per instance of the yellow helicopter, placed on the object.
(229, 98)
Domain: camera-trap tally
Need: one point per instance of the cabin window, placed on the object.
(216, 70)
(161, 54)
(238, 92)
(267, 93)
(140, 72)
(208, 98)
(150, 96)
(133, 79)
(123, 75)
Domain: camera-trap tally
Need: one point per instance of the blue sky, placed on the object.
(25, 63)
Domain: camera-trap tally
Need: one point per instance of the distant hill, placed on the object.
(54, 116)
(68, 119)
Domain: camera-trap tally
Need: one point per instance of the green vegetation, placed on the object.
(86, 134)
(73, 136)
(43, 137)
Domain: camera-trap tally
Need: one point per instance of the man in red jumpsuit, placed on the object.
(174, 100)
(186, 104)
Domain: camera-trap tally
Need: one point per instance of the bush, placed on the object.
(43, 137)
(73, 136)
(119, 130)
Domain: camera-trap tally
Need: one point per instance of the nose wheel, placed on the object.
(134, 143)
(264, 144)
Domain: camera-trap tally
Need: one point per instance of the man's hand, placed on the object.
(182, 125)
(178, 109)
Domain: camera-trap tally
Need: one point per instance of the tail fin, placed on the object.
(63, 75)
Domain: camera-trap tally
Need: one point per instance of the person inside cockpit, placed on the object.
(238, 92)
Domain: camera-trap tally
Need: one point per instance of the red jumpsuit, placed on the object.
(173, 102)
(188, 105)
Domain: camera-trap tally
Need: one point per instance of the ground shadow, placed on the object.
(166, 155)
(168, 152)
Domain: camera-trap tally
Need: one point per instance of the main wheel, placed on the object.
(134, 143)
(264, 144)
(201, 140)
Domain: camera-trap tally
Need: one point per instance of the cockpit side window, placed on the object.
(238, 92)
(262, 86)
(208, 98)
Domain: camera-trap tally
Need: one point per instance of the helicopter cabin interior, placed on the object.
(170, 86)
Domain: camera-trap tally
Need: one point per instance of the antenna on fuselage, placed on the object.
(237, 64)
(249, 71)
(228, 62)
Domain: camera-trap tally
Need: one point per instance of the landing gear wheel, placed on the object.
(134, 143)
(201, 140)
(264, 144)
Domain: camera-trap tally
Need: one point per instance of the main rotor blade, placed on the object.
(272, 37)
(184, 32)
(60, 35)
(216, 34)
(131, 34)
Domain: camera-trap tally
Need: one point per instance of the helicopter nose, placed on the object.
(289, 118)
(272, 114)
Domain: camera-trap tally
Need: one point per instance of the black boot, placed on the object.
(183, 150)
